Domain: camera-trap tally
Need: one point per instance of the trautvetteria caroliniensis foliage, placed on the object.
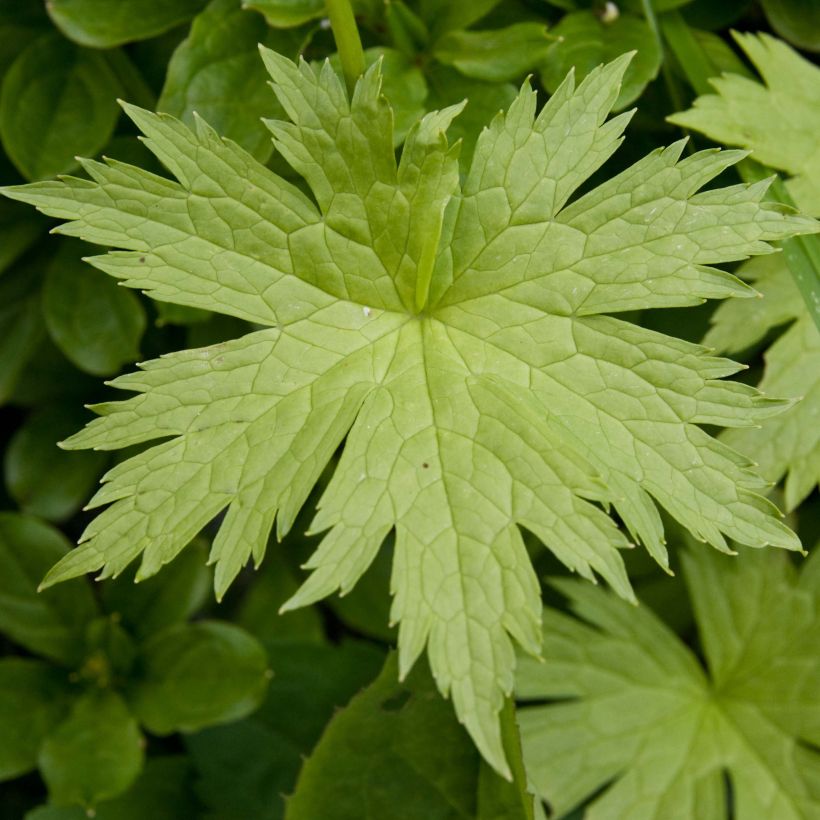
(453, 330)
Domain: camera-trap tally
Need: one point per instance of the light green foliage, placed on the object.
(451, 331)
(645, 720)
(789, 443)
(778, 121)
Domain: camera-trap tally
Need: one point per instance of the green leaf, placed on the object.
(311, 682)
(442, 16)
(216, 72)
(495, 56)
(640, 716)
(49, 623)
(584, 41)
(96, 323)
(20, 23)
(797, 21)
(161, 601)
(288, 13)
(778, 121)
(21, 325)
(395, 751)
(18, 232)
(32, 701)
(790, 443)
(44, 480)
(102, 24)
(96, 753)
(161, 792)
(450, 331)
(57, 101)
(195, 675)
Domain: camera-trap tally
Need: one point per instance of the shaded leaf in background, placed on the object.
(43, 479)
(21, 324)
(448, 15)
(161, 792)
(789, 444)
(20, 24)
(246, 767)
(161, 601)
(33, 699)
(288, 13)
(94, 321)
(96, 753)
(195, 675)
(18, 232)
(50, 623)
(778, 121)
(499, 55)
(639, 717)
(103, 24)
(707, 14)
(797, 21)
(585, 41)
(452, 331)
(216, 71)
(57, 101)
(426, 767)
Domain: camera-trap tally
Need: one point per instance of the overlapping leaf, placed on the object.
(638, 714)
(451, 331)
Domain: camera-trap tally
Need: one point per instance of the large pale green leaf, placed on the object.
(103, 24)
(451, 331)
(778, 121)
(790, 443)
(639, 717)
(57, 100)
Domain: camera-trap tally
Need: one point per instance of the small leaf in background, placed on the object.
(288, 13)
(442, 16)
(797, 21)
(707, 14)
(245, 767)
(18, 232)
(164, 600)
(94, 321)
(103, 24)
(778, 121)
(790, 443)
(196, 675)
(50, 623)
(161, 792)
(21, 325)
(217, 72)
(271, 585)
(33, 699)
(644, 730)
(20, 24)
(96, 753)
(57, 101)
(426, 767)
(43, 479)
(495, 56)
(484, 101)
(586, 41)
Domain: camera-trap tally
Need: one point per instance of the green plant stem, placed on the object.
(348, 43)
(802, 253)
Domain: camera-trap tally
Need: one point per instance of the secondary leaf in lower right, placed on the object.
(640, 718)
